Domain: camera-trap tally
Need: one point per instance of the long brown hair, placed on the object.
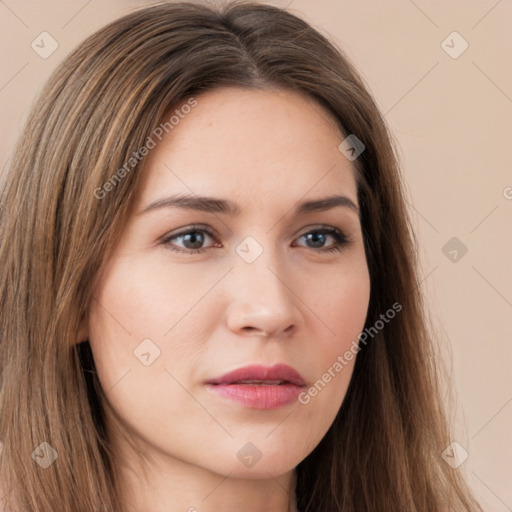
(59, 224)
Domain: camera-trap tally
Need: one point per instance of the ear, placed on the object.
(83, 332)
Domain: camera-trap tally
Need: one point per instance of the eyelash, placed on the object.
(339, 236)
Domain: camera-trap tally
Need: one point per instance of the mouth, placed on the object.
(258, 374)
(259, 387)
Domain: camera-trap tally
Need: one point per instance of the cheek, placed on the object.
(342, 306)
(142, 313)
(140, 298)
(137, 326)
(341, 302)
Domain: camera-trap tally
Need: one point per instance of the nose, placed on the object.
(261, 298)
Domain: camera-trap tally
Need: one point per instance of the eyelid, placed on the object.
(193, 227)
(319, 227)
(212, 232)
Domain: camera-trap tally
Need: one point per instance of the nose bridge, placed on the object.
(260, 266)
(260, 296)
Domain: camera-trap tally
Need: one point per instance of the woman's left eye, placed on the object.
(194, 237)
(319, 235)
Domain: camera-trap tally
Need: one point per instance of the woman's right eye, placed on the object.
(193, 236)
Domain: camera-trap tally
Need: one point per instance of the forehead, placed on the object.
(261, 146)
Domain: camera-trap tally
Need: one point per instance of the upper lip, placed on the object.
(277, 372)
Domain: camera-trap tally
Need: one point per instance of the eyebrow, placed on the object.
(227, 207)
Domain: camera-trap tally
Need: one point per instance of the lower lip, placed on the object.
(258, 396)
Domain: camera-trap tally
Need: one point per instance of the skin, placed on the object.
(267, 151)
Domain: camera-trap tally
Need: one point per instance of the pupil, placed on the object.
(317, 237)
(195, 238)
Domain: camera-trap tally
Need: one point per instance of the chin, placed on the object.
(252, 463)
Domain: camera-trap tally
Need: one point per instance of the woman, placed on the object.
(210, 297)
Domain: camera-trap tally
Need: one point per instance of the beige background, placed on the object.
(452, 118)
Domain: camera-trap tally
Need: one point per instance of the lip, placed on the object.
(262, 373)
(266, 393)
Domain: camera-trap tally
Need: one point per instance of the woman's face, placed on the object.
(173, 310)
